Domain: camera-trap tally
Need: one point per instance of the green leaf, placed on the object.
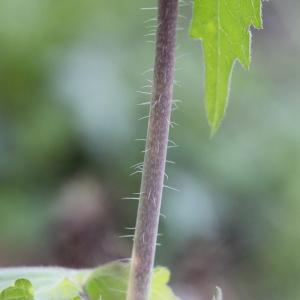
(110, 283)
(160, 288)
(21, 290)
(223, 26)
(67, 289)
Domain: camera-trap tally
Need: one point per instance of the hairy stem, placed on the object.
(155, 153)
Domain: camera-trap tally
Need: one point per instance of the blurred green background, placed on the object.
(69, 130)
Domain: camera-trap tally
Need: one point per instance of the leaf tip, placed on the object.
(215, 119)
(213, 130)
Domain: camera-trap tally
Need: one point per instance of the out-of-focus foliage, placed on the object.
(107, 282)
(69, 72)
(44, 283)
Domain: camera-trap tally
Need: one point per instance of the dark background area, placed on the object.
(69, 132)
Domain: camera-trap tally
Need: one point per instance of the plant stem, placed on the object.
(155, 154)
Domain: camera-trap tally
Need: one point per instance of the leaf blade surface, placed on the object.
(223, 26)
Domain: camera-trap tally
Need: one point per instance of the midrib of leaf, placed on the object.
(218, 65)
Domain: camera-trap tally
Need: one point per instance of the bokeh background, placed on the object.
(69, 132)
